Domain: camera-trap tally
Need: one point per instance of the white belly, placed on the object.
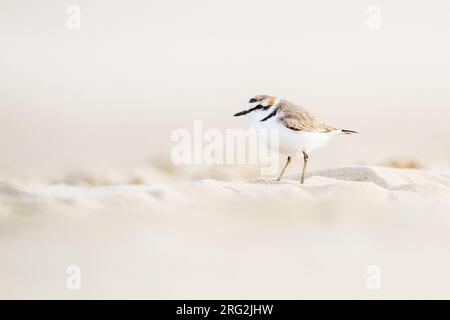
(291, 142)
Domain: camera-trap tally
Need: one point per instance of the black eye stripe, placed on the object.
(252, 100)
(260, 106)
(255, 108)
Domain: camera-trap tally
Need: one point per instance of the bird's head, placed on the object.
(258, 104)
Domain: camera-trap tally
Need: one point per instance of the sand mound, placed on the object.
(211, 239)
(359, 182)
(384, 177)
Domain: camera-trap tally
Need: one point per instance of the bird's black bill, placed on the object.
(242, 113)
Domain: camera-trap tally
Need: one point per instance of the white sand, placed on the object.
(213, 239)
(83, 112)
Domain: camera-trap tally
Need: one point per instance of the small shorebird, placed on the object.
(298, 129)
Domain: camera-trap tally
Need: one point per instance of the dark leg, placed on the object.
(284, 168)
(305, 163)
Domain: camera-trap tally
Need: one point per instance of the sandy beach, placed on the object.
(243, 239)
(93, 205)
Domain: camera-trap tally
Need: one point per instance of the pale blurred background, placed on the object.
(111, 93)
(97, 106)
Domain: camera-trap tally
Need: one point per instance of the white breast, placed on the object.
(290, 142)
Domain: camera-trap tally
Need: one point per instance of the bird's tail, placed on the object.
(348, 131)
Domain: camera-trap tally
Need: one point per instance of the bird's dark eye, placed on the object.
(252, 100)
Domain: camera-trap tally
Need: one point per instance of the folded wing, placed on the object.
(298, 118)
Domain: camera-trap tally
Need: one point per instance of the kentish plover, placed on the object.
(299, 131)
